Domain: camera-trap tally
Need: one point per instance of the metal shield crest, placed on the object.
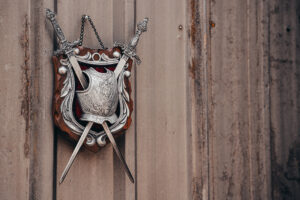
(72, 106)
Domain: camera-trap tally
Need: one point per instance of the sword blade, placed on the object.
(74, 154)
(117, 150)
(83, 82)
(120, 65)
(130, 49)
(78, 71)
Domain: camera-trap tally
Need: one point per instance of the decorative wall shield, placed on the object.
(67, 111)
(92, 91)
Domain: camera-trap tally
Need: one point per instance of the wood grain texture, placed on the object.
(123, 30)
(26, 132)
(15, 121)
(284, 92)
(161, 116)
(216, 101)
(197, 53)
(41, 128)
(239, 131)
(90, 172)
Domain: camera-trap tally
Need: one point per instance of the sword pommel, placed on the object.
(141, 27)
(50, 14)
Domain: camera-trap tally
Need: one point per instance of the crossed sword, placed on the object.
(68, 49)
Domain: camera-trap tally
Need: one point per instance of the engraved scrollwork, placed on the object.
(102, 59)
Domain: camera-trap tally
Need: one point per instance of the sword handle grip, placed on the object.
(51, 16)
(141, 27)
(129, 50)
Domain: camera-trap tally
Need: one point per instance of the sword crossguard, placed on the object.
(66, 47)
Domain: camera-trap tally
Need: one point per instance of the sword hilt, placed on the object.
(52, 18)
(129, 50)
(65, 46)
(141, 27)
(68, 48)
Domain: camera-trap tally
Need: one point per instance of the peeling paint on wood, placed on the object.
(14, 134)
(25, 96)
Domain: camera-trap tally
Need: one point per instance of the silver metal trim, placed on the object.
(102, 61)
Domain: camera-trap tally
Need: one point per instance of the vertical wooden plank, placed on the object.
(26, 136)
(284, 90)
(123, 30)
(41, 86)
(198, 47)
(238, 91)
(14, 106)
(229, 167)
(91, 176)
(130, 142)
(161, 115)
(258, 99)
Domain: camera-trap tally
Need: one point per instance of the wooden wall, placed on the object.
(216, 101)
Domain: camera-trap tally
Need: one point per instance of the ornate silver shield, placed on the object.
(106, 97)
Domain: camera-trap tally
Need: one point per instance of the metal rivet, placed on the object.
(127, 73)
(180, 27)
(116, 54)
(90, 140)
(101, 141)
(76, 51)
(62, 70)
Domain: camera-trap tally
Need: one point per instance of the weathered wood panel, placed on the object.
(41, 83)
(238, 82)
(15, 121)
(198, 54)
(123, 30)
(161, 116)
(216, 101)
(26, 131)
(284, 92)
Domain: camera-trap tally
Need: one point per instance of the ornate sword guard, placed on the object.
(71, 111)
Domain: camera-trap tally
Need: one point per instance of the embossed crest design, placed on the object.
(100, 100)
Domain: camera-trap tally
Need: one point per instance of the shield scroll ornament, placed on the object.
(67, 111)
